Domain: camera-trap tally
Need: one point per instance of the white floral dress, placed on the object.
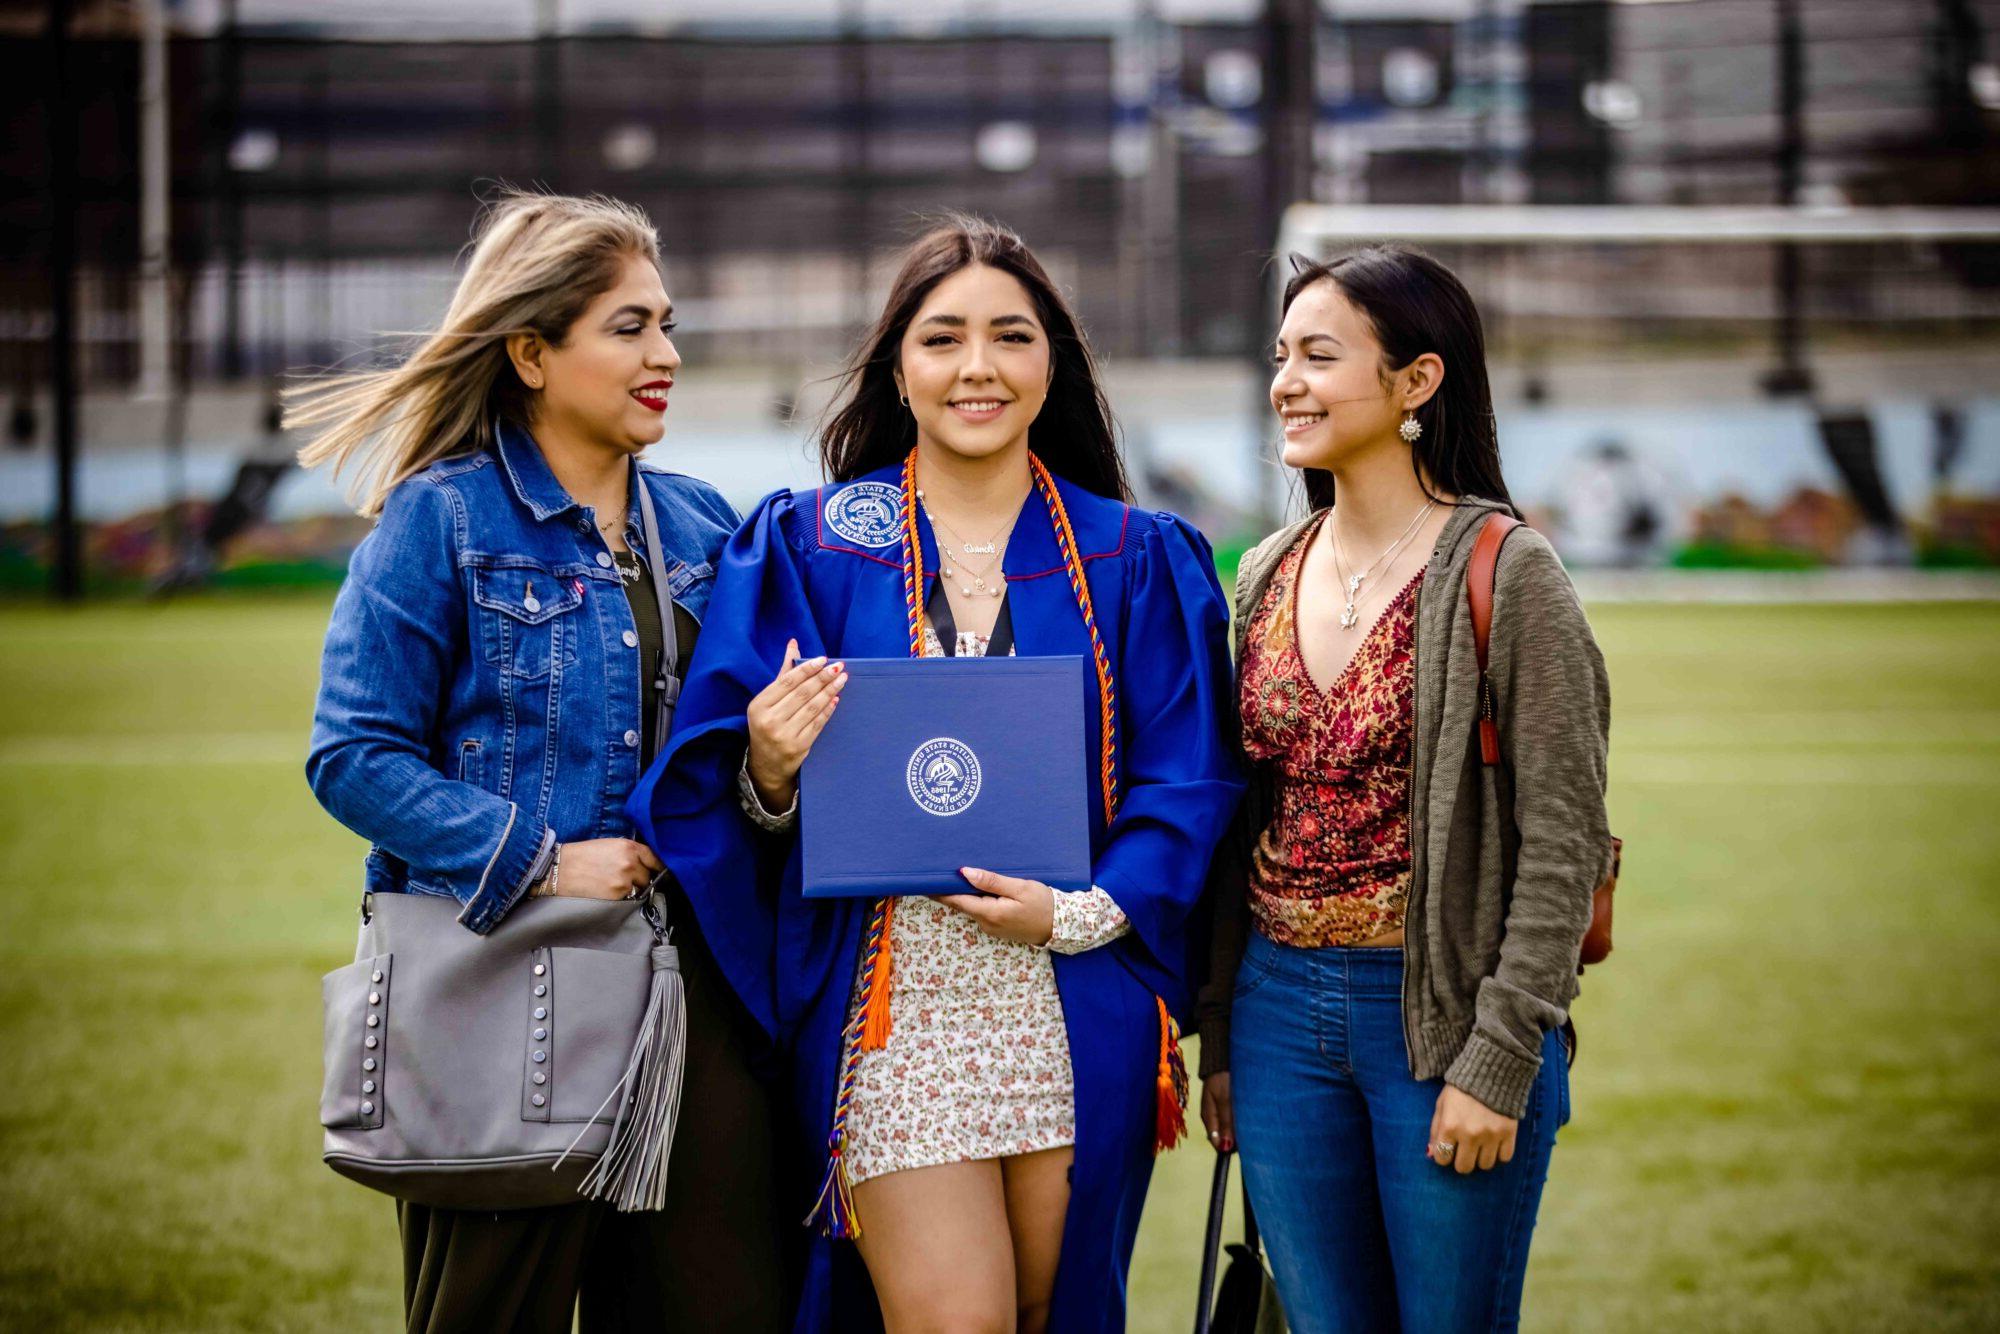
(977, 1062)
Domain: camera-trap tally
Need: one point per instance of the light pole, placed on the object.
(66, 568)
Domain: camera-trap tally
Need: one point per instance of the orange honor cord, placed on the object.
(1107, 689)
(1171, 1122)
(1170, 1118)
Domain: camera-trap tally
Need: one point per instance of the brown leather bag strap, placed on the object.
(1479, 592)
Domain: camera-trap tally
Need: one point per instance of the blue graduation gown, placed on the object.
(802, 567)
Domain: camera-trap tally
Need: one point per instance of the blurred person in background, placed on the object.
(1397, 922)
(985, 1087)
(486, 703)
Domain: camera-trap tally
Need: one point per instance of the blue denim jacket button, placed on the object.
(631, 639)
(631, 737)
(604, 559)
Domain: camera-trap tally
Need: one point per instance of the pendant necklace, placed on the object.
(990, 547)
(1349, 617)
(626, 562)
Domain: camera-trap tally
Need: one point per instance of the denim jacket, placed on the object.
(480, 692)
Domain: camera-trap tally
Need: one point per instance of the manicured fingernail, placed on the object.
(814, 662)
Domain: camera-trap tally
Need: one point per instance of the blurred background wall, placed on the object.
(316, 167)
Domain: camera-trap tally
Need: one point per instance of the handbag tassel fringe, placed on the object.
(632, 1173)
(1171, 1084)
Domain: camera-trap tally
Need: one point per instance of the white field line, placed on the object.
(1781, 587)
(183, 749)
(1803, 768)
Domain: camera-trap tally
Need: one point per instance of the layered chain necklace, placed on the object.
(626, 563)
(1349, 618)
(991, 547)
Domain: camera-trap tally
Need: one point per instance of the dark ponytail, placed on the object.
(1417, 305)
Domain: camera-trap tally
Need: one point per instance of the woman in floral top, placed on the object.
(1387, 1046)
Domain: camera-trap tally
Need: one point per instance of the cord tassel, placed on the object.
(1171, 1085)
(875, 1030)
(833, 1212)
(632, 1173)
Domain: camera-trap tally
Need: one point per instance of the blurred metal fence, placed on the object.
(321, 182)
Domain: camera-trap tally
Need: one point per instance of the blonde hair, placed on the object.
(538, 260)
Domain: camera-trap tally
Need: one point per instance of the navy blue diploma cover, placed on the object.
(930, 764)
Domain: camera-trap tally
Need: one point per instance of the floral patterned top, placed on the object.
(977, 1062)
(1333, 867)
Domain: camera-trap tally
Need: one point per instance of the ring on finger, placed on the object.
(1443, 1150)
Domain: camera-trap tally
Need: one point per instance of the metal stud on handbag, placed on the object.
(525, 1067)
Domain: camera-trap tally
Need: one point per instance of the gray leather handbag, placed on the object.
(525, 1067)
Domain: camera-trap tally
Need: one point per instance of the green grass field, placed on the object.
(1787, 1112)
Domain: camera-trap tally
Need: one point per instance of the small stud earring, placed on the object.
(1410, 429)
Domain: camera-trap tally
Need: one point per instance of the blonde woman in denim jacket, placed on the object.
(489, 674)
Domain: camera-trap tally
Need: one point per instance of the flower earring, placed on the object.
(1411, 428)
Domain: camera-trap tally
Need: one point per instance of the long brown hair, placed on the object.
(1416, 305)
(538, 261)
(869, 428)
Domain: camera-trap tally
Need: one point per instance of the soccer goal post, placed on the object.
(1761, 360)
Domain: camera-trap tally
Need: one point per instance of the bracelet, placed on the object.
(546, 886)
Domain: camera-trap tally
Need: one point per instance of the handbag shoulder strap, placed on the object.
(1479, 592)
(666, 684)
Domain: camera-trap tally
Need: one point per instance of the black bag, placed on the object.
(1248, 1301)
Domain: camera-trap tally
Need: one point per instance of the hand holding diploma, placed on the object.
(785, 718)
(1007, 908)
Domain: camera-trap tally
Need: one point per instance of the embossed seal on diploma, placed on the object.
(868, 514)
(944, 776)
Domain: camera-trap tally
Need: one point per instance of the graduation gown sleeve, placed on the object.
(685, 807)
(1180, 776)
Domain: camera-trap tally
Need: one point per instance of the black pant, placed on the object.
(717, 1257)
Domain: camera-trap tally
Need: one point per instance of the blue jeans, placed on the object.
(1363, 1230)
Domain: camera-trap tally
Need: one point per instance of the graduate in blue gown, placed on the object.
(976, 386)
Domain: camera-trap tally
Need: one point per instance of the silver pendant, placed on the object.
(1349, 617)
(983, 549)
(1354, 584)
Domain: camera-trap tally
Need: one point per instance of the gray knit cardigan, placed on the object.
(1504, 859)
